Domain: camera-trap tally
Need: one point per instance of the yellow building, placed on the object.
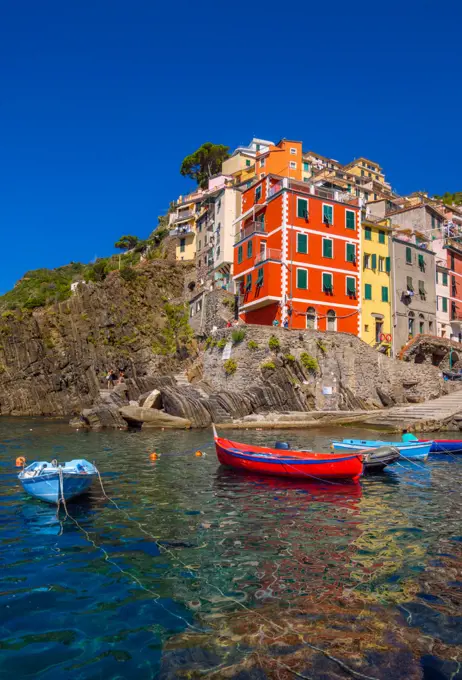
(240, 166)
(363, 167)
(183, 225)
(376, 319)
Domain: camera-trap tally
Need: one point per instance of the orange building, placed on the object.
(283, 158)
(297, 253)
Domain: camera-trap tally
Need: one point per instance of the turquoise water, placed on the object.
(202, 571)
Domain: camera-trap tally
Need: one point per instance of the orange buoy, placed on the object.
(153, 456)
(198, 453)
(20, 461)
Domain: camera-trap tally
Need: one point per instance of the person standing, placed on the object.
(110, 379)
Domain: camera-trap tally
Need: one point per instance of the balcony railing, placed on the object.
(268, 254)
(181, 230)
(184, 215)
(252, 228)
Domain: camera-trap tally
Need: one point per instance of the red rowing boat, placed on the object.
(284, 463)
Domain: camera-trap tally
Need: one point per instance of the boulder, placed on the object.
(103, 415)
(78, 422)
(150, 417)
(153, 400)
(185, 402)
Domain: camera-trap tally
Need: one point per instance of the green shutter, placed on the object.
(445, 304)
(374, 261)
(248, 284)
(381, 237)
(327, 247)
(249, 249)
(351, 285)
(306, 167)
(350, 219)
(368, 234)
(302, 278)
(387, 265)
(302, 208)
(410, 285)
(239, 255)
(408, 255)
(421, 262)
(384, 294)
(302, 243)
(351, 252)
(445, 279)
(247, 163)
(327, 282)
(260, 277)
(328, 214)
(368, 291)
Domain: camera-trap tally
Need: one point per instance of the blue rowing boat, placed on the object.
(445, 445)
(414, 450)
(50, 481)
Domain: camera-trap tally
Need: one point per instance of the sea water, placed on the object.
(185, 569)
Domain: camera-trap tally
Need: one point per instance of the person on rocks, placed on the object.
(111, 378)
(121, 378)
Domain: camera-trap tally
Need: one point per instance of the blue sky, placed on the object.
(100, 102)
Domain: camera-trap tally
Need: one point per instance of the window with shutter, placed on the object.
(381, 237)
(388, 265)
(367, 261)
(351, 285)
(350, 252)
(374, 261)
(368, 291)
(350, 219)
(327, 247)
(248, 282)
(239, 255)
(302, 278)
(384, 294)
(302, 243)
(410, 285)
(368, 234)
(327, 214)
(421, 289)
(445, 304)
(260, 277)
(249, 249)
(302, 208)
(445, 279)
(257, 193)
(327, 283)
(421, 262)
(408, 255)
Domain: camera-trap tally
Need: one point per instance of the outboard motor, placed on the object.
(282, 445)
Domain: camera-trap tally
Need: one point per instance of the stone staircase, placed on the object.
(428, 414)
(182, 381)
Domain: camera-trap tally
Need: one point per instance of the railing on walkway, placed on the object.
(252, 228)
(268, 254)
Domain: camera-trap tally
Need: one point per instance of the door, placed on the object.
(378, 330)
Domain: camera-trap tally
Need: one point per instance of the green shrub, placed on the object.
(208, 342)
(230, 366)
(274, 344)
(128, 274)
(238, 335)
(309, 362)
(321, 346)
(289, 357)
(252, 344)
(228, 302)
(221, 343)
(269, 364)
(8, 314)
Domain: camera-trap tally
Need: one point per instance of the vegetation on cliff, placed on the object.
(204, 163)
(450, 199)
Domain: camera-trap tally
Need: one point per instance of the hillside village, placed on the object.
(303, 241)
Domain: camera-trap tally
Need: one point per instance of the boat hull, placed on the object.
(445, 445)
(417, 450)
(47, 487)
(300, 465)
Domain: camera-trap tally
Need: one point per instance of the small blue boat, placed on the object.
(43, 480)
(445, 445)
(414, 450)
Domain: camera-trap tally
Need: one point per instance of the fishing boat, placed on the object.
(413, 450)
(283, 462)
(445, 445)
(50, 482)
(376, 460)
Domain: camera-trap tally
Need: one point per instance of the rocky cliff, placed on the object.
(53, 360)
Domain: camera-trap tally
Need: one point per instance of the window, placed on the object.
(302, 278)
(331, 320)
(408, 255)
(362, 173)
(257, 147)
(311, 318)
(350, 252)
(200, 245)
(306, 167)
(381, 264)
(327, 248)
(302, 243)
(257, 193)
(374, 261)
(260, 277)
(249, 184)
(366, 328)
(367, 261)
(444, 304)
(302, 208)
(384, 294)
(293, 152)
(327, 214)
(421, 324)
(368, 234)
(327, 283)
(411, 324)
(239, 255)
(445, 279)
(453, 265)
(350, 219)
(249, 248)
(248, 283)
(409, 284)
(351, 285)
(388, 265)
(199, 264)
(247, 163)
(430, 326)
(262, 162)
(381, 237)
(293, 165)
(433, 222)
(182, 245)
(368, 291)
(422, 290)
(421, 261)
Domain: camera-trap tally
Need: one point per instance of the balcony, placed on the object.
(183, 215)
(181, 230)
(252, 228)
(269, 254)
